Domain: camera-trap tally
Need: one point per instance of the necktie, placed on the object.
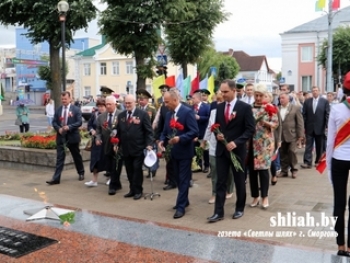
(248, 100)
(196, 108)
(110, 120)
(314, 105)
(129, 116)
(65, 115)
(227, 113)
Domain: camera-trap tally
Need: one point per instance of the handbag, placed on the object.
(88, 145)
(18, 122)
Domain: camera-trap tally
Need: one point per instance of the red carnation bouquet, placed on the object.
(115, 141)
(215, 128)
(175, 126)
(269, 110)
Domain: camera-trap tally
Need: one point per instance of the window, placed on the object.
(87, 91)
(115, 68)
(87, 69)
(103, 68)
(306, 83)
(129, 67)
(306, 54)
(131, 89)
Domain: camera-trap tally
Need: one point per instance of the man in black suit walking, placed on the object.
(66, 122)
(237, 125)
(315, 113)
(135, 134)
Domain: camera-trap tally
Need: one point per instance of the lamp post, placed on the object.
(329, 79)
(63, 8)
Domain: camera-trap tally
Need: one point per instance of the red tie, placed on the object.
(227, 113)
(196, 108)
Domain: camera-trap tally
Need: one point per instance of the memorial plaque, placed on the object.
(15, 243)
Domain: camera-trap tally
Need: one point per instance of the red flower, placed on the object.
(61, 119)
(264, 102)
(105, 125)
(270, 109)
(176, 125)
(348, 99)
(215, 127)
(114, 140)
(159, 155)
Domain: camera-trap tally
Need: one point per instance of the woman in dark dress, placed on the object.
(97, 163)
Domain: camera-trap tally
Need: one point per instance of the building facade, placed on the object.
(301, 47)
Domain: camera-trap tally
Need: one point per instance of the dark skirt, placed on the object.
(97, 160)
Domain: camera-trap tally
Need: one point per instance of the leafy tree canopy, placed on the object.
(341, 51)
(186, 42)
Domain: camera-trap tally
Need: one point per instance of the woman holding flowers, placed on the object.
(261, 146)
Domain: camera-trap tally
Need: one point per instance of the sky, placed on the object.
(254, 26)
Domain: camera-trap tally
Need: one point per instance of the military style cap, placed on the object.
(106, 91)
(205, 91)
(240, 83)
(164, 87)
(142, 93)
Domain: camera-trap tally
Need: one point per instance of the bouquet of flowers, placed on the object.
(115, 141)
(175, 127)
(269, 110)
(215, 128)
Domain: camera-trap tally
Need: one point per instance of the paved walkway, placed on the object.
(308, 196)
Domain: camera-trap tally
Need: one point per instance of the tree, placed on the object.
(45, 73)
(41, 20)
(279, 76)
(227, 66)
(2, 94)
(132, 28)
(187, 41)
(341, 51)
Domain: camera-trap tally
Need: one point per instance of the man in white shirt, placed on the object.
(249, 94)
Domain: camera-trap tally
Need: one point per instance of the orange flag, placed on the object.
(170, 81)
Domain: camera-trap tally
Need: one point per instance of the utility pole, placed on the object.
(329, 86)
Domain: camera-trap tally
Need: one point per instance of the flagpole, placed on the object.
(330, 49)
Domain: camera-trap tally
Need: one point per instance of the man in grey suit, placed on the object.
(105, 129)
(292, 132)
(316, 113)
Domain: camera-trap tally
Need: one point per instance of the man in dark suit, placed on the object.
(237, 125)
(160, 100)
(315, 113)
(135, 134)
(202, 113)
(182, 150)
(66, 122)
(105, 129)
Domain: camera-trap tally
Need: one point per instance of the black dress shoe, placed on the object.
(118, 188)
(343, 253)
(237, 215)
(168, 187)
(209, 176)
(81, 177)
(306, 166)
(215, 218)
(130, 194)
(175, 207)
(112, 191)
(178, 214)
(153, 174)
(206, 170)
(137, 196)
(166, 182)
(52, 182)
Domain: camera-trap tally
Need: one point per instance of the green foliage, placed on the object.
(41, 20)
(227, 66)
(279, 75)
(341, 51)
(44, 72)
(186, 42)
(67, 218)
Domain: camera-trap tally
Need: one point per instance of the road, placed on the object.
(38, 120)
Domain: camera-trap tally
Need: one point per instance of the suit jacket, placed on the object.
(184, 149)
(151, 111)
(204, 114)
(316, 122)
(74, 122)
(293, 124)
(239, 130)
(136, 135)
(104, 134)
(162, 116)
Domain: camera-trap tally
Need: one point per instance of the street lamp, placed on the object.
(63, 8)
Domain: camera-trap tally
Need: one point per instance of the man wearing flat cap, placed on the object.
(164, 88)
(143, 97)
(205, 95)
(240, 90)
